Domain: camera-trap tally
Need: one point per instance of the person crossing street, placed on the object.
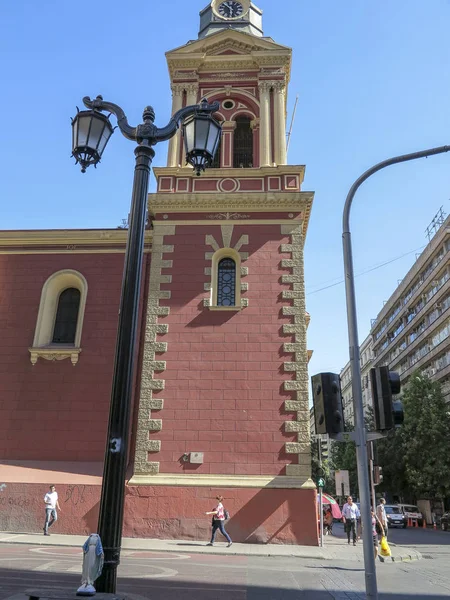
(350, 514)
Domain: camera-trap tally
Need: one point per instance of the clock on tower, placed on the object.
(241, 15)
(230, 9)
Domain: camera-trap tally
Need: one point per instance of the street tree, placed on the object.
(425, 438)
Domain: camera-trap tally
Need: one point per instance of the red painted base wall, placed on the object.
(257, 515)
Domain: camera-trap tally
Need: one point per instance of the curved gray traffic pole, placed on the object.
(360, 431)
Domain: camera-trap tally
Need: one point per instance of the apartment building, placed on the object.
(412, 331)
(346, 382)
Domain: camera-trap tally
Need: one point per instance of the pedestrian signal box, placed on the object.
(387, 412)
(327, 400)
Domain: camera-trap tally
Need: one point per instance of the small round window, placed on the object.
(228, 104)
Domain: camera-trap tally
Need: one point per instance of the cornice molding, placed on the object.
(229, 38)
(229, 481)
(266, 202)
(216, 64)
(252, 54)
(276, 171)
(244, 201)
(67, 239)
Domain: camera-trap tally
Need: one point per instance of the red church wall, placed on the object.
(224, 372)
(54, 410)
(257, 516)
(264, 516)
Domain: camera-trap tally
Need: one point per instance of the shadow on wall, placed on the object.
(90, 519)
(257, 522)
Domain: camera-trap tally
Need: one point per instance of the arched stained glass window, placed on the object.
(226, 282)
(243, 143)
(67, 317)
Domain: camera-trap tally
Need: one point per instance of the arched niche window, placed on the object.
(66, 319)
(226, 280)
(243, 143)
(60, 318)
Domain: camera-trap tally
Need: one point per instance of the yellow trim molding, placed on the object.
(227, 173)
(237, 202)
(229, 481)
(54, 353)
(67, 241)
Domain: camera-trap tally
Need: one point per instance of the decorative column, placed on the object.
(191, 98)
(174, 143)
(192, 93)
(255, 129)
(265, 150)
(227, 144)
(279, 95)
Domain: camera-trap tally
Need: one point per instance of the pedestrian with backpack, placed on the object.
(220, 515)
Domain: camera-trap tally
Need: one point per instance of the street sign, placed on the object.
(321, 482)
(342, 483)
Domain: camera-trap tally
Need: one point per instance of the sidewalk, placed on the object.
(335, 548)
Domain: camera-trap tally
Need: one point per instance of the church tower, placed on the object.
(222, 397)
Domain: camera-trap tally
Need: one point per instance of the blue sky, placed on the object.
(372, 78)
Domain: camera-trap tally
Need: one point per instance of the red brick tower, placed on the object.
(222, 405)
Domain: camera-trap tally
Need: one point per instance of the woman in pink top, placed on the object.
(376, 527)
(218, 522)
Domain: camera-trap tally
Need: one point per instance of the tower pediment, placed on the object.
(234, 39)
(229, 50)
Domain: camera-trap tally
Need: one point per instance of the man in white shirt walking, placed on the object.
(350, 514)
(51, 504)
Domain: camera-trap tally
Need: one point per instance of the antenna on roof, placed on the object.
(437, 221)
(288, 136)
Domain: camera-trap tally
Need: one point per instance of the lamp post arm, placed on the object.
(378, 167)
(165, 133)
(148, 132)
(122, 121)
(360, 435)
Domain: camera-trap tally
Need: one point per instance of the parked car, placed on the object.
(395, 516)
(445, 521)
(411, 512)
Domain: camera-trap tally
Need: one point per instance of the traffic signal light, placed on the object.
(327, 402)
(377, 475)
(387, 413)
(324, 448)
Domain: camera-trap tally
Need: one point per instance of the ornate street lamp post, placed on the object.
(91, 131)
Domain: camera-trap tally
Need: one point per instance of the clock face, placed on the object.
(231, 9)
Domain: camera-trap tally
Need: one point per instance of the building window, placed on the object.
(67, 317)
(226, 282)
(60, 318)
(225, 286)
(243, 143)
